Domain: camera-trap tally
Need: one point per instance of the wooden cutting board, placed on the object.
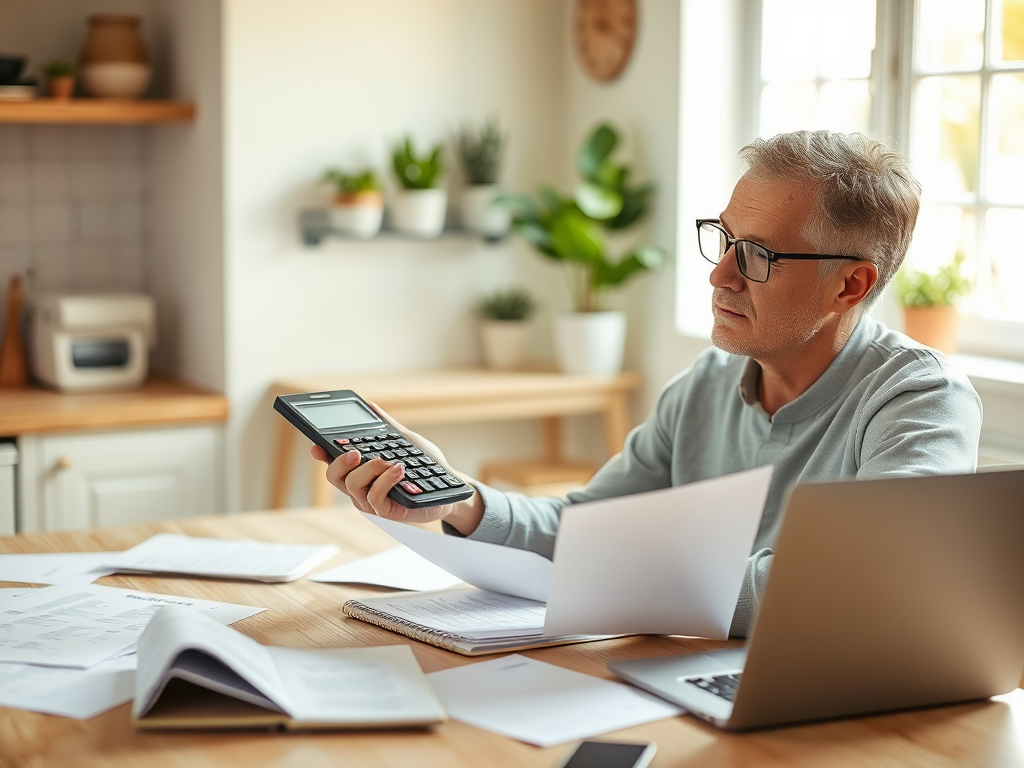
(13, 368)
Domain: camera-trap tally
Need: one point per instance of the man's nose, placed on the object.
(726, 273)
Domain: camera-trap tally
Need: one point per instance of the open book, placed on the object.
(472, 622)
(195, 673)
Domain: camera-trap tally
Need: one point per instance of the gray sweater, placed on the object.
(885, 406)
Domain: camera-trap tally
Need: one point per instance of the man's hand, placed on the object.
(368, 485)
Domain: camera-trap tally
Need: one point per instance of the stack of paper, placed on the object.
(68, 650)
(221, 558)
(55, 567)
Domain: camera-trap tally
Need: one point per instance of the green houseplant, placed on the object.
(929, 300)
(504, 327)
(357, 205)
(419, 207)
(481, 153)
(60, 78)
(572, 230)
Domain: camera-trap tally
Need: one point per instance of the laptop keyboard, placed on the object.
(720, 685)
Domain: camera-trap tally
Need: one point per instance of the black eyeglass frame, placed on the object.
(730, 242)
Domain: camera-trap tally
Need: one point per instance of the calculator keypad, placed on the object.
(423, 474)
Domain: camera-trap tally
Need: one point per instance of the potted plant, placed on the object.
(929, 301)
(481, 156)
(60, 78)
(504, 328)
(419, 207)
(571, 231)
(357, 206)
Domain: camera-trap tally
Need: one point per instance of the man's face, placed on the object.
(766, 320)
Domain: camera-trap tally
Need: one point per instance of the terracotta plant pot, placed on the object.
(935, 327)
(358, 214)
(114, 61)
(60, 87)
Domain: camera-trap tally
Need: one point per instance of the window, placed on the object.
(940, 79)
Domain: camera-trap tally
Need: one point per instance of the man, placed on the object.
(800, 375)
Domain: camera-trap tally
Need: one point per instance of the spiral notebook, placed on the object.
(470, 621)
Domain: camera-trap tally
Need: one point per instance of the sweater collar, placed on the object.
(823, 391)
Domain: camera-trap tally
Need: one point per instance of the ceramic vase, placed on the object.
(479, 213)
(358, 214)
(114, 62)
(419, 212)
(590, 342)
(504, 343)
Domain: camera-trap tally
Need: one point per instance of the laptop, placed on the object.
(884, 595)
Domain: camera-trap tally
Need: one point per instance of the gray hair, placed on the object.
(867, 199)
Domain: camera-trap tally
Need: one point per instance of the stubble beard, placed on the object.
(787, 333)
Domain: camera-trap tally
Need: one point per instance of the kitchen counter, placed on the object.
(161, 400)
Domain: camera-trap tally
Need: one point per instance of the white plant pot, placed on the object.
(480, 214)
(590, 342)
(357, 220)
(419, 212)
(505, 343)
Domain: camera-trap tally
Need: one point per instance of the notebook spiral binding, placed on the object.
(363, 612)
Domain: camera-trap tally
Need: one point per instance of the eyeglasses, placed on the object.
(753, 259)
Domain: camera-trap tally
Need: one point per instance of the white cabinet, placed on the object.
(86, 479)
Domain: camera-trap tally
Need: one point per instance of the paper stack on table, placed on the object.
(398, 568)
(67, 650)
(221, 558)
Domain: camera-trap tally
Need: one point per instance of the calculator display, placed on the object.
(338, 414)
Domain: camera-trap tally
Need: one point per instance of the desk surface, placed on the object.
(307, 614)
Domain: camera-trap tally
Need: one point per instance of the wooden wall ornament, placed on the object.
(605, 33)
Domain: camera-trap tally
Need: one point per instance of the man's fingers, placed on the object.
(339, 469)
(377, 494)
(319, 454)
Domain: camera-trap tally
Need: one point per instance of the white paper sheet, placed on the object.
(398, 568)
(222, 558)
(468, 612)
(541, 703)
(487, 566)
(81, 625)
(77, 693)
(666, 562)
(55, 567)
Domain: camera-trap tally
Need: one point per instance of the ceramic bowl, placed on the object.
(10, 69)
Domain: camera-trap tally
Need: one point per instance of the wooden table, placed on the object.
(453, 396)
(307, 614)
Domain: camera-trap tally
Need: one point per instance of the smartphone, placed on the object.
(341, 421)
(611, 754)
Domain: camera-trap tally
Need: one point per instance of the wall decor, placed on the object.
(605, 34)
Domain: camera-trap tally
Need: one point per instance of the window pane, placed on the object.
(1005, 167)
(789, 40)
(1003, 242)
(1010, 17)
(788, 107)
(941, 232)
(946, 135)
(950, 34)
(845, 105)
(847, 39)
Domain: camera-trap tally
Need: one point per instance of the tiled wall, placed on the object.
(72, 207)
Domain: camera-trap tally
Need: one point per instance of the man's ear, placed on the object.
(858, 280)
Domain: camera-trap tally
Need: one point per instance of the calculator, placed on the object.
(341, 421)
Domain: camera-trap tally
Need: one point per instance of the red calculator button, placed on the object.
(341, 441)
(411, 487)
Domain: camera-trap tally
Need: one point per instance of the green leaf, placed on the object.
(595, 151)
(537, 236)
(522, 206)
(646, 257)
(550, 198)
(634, 206)
(612, 176)
(576, 238)
(598, 202)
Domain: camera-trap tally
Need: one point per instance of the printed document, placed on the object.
(82, 625)
(664, 563)
(398, 568)
(487, 566)
(541, 703)
(55, 567)
(77, 693)
(222, 558)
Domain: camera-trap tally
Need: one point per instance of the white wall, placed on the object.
(313, 83)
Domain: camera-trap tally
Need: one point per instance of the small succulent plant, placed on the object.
(481, 153)
(510, 304)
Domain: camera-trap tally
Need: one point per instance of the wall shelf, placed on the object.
(315, 227)
(96, 111)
